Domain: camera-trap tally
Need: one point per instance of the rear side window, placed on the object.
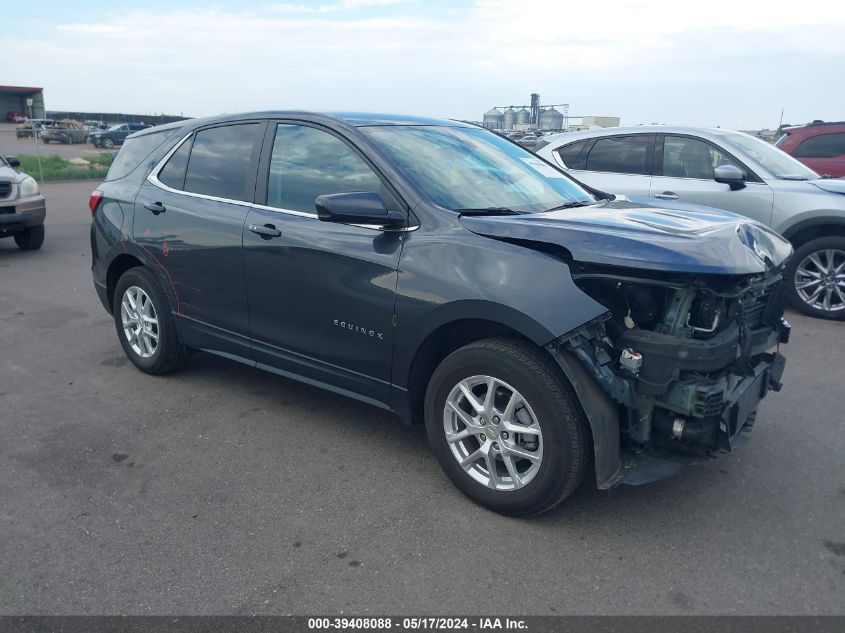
(822, 146)
(173, 174)
(134, 151)
(620, 154)
(307, 163)
(221, 161)
(569, 153)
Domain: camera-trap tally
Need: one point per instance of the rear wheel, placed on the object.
(505, 426)
(816, 278)
(145, 326)
(30, 239)
(107, 143)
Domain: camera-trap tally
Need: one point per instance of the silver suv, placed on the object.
(22, 208)
(728, 170)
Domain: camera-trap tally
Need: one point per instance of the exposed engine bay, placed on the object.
(685, 359)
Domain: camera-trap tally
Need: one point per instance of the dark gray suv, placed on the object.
(539, 329)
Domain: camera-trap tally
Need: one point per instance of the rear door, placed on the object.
(321, 295)
(619, 164)
(189, 218)
(824, 153)
(684, 171)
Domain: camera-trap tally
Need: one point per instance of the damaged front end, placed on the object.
(681, 363)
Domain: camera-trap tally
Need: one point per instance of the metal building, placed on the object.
(493, 119)
(13, 99)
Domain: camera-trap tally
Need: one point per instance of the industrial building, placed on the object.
(534, 116)
(13, 99)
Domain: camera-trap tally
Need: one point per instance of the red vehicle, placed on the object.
(819, 145)
(15, 117)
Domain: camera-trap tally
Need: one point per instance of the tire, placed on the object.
(30, 239)
(168, 354)
(548, 400)
(802, 271)
(108, 143)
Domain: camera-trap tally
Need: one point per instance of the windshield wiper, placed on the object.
(794, 178)
(571, 205)
(488, 211)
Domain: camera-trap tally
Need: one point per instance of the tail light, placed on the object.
(94, 200)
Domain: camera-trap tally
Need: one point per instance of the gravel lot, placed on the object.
(10, 145)
(223, 489)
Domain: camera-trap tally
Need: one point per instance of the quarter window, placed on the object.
(822, 146)
(569, 154)
(620, 154)
(307, 162)
(685, 157)
(220, 161)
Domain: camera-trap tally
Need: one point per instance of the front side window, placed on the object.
(468, 168)
(620, 154)
(822, 146)
(307, 163)
(221, 161)
(685, 157)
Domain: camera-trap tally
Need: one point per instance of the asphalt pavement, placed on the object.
(225, 490)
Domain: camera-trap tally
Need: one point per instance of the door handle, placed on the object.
(155, 207)
(667, 195)
(266, 231)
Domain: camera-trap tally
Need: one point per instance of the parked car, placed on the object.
(15, 117)
(115, 135)
(728, 170)
(25, 130)
(820, 146)
(95, 126)
(22, 207)
(64, 133)
(437, 270)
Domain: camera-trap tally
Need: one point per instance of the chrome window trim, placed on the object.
(153, 180)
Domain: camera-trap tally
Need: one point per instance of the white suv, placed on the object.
(728, 170)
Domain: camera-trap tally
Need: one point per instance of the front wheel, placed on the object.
(816, 278)
(506, 427)
(30, 239)
(145, 326)
(108, 143)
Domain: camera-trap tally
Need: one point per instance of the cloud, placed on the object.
(731, 63)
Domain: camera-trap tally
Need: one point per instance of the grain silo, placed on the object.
(510, 118)
(550, 119)
(493, 119)
(523, 117)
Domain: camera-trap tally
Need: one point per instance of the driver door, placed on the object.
(683, 171)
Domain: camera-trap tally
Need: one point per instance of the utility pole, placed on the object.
(35, 139)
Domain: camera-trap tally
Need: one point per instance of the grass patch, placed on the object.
(57, 168)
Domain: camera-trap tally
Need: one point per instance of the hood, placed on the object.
(624, 233)
(833, 185)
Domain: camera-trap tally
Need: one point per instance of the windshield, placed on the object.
(115, 127)
(780, 164)
(472, 169)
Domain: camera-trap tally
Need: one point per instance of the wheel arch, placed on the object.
(117, 267)
(803, 231)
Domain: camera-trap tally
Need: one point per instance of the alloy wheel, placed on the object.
(493, 433)
(820, 280)
(140, 321)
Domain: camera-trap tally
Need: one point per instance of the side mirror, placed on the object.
(13, 161)
(358, 207)
(730, 175)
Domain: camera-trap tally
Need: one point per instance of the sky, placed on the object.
(733, 64)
